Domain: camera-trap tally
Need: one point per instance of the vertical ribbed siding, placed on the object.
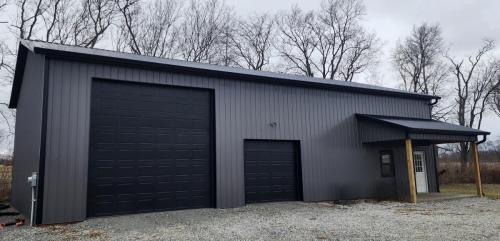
(375, 132)
(430, 164)
(27, 143)
(335, 164)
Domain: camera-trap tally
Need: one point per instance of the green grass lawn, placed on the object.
(490, 190)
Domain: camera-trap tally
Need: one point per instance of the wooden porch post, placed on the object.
(411, 172)
(477, 171)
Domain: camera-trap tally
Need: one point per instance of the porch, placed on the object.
(413, 132)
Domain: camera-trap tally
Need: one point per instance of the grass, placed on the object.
(490, 190)
(5, 180)
(451, 173)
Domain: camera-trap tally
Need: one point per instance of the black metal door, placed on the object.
(272, 171)
(150, 148)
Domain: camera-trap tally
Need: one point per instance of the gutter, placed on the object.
(436, 100)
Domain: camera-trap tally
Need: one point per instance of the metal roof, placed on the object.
(415, 125)
(140, 61)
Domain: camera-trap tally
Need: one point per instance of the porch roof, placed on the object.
(376, 128)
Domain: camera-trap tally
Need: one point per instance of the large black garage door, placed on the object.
(272, 171)
(150, 149)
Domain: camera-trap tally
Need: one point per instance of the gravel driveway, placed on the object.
(465, 219)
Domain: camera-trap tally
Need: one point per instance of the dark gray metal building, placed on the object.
(112, 133)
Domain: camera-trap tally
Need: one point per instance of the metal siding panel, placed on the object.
(73, 149)
(52, 142)
(65, 144)
(230, 146)
(240, 171)
(308, 155)
(401, 170)
(322, 120)
(431, 168)
(28, 132)
(81, 143)
(220, 133)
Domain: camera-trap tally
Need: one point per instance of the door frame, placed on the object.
(424, 168)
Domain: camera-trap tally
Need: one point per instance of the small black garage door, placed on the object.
(272, 171)
(150, 149)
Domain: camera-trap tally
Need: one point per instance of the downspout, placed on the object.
(482, 141)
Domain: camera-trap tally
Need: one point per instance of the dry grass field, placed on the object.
(450, 173)
(452, 180)
(5, 180)
(490, 190)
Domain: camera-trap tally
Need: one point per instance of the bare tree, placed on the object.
(30, 12)
(330, 42)
(8, 117)
(6, 66)
(204, 30)
(297, 42)
(3, 4)
(126, 36)
(495, 102)
(6, 56)
(225, 53)
(62, 22)
(149, 30)
(92, 22)
(362, 52)
(58, 20)
(345, 48)
(75, 22)
(476, 80)
(252, 41)
(6, 72)
(419, 60)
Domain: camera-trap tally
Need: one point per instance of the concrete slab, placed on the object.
(437, 197)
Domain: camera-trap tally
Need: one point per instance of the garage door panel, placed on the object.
(272, 171)
(150, 149)
(256, 181)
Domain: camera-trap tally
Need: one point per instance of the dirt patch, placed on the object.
(70, 233)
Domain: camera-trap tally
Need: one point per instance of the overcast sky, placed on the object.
(464, 24)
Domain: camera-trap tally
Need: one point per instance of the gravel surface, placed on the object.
(464, 219)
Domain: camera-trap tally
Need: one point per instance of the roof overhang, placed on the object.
(101, 56)
(376, 128)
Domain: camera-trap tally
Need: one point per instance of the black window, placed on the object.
(387, 163)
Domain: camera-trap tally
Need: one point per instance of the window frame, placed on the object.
(391, 164)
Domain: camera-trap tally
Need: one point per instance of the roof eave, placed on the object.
(25, 46)
(253, 77)
(420, 130)
(447, 132)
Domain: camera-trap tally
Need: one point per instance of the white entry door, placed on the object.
(420, 171)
